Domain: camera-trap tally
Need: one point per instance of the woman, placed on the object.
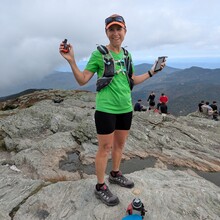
(151, 97)
(113, 107)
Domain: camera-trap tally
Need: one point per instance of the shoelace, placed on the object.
(122, 178)
(105, 191)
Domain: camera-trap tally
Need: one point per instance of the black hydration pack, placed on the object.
(109, 68)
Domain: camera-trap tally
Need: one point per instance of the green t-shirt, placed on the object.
(116, 97)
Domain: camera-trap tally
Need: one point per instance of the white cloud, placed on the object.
(32, 30)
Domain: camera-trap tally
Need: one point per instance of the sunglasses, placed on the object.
(111, 19)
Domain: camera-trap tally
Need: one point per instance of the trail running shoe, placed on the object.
(105, 195)
(121, 180)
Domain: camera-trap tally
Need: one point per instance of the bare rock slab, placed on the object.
(14, 190)
(167, 195)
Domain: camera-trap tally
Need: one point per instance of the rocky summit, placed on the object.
(39, 130)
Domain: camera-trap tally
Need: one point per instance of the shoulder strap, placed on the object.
(125, 51)
(128, 66)
(102, 49)
(128, 63)
(109, 68)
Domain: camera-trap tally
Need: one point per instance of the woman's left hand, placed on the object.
(161, 67)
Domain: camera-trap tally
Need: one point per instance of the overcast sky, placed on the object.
(31, 31)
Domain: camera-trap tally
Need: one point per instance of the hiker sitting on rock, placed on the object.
(138, 106)
(207, 109)
(200, 105)
(215, 110)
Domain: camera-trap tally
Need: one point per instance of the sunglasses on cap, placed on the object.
(111, 19)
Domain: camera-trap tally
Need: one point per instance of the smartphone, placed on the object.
(158, 64)
(66, 47)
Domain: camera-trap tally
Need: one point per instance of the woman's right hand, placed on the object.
(69, 56)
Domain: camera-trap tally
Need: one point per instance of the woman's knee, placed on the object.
(120, 139)
(105, 149)
(119, 146)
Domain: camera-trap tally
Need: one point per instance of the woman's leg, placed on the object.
(119, 139)
(102, 191)
(105, 145)
(116, 176)
(123, 124)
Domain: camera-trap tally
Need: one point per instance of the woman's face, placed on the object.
(116, 34)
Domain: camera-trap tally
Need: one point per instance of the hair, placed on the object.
(114, 15)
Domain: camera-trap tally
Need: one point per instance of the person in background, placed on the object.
(114, 109)
(163, 99)
(151, 105)
(151, 98)
(200, 105)
(215, 110)
(207, 109)
(153, 108)
(163, 108)
(138, 106)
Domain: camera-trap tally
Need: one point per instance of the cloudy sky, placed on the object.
(31, 31)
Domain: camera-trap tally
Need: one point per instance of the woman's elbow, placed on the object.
(81, 83)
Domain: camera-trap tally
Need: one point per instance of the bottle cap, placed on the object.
(136, 203)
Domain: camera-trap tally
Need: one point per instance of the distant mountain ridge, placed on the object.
(65, 80)
(184, 87)
(14, 96)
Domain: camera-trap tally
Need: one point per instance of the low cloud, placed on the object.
(32, 30)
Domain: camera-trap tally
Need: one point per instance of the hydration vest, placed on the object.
(109, 68)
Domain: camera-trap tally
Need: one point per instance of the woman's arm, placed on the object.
(141, 78)
(82, 77)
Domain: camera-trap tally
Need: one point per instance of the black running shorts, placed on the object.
(106, 123)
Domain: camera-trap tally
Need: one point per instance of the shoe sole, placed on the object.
(106, 203)
(120, 184)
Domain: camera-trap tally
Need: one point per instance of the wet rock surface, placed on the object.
(38, 137)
